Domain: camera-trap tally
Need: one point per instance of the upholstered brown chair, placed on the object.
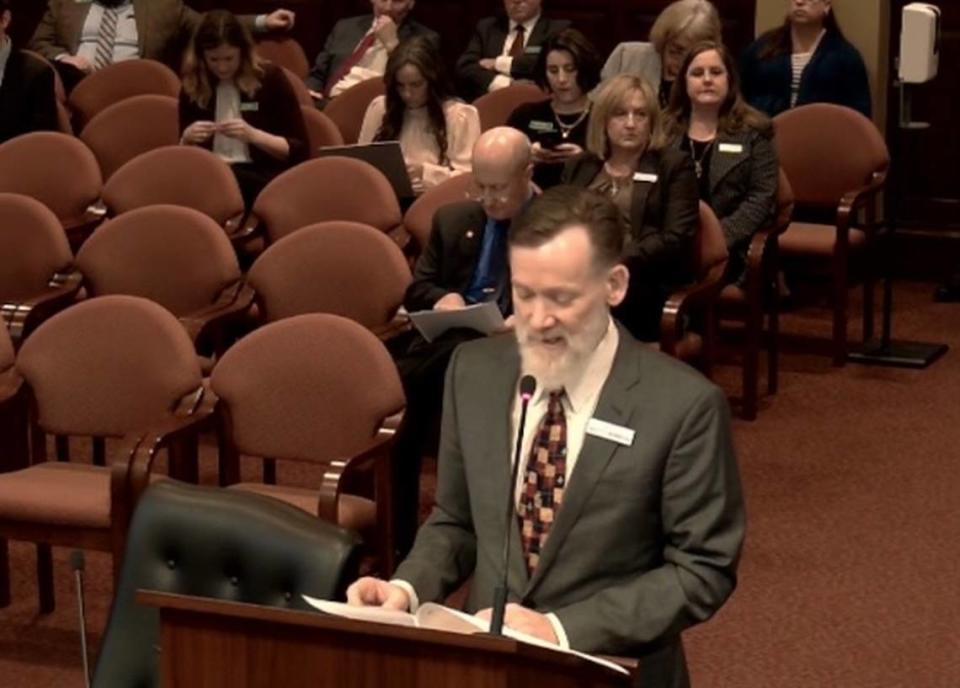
(321, 131)
(177, 257)
(63, 112)
(331, 188)
(699, 300)
(300, 89)
(286, 52)
(35, 165)
(757, 300)
(109, 367)
(347, 109)
(318, 388)
(837, 162)
(496, 107)
(13, 420)
(131, 127)
(187, 176)
(36, 276)
(418, 220)
(344, 268)
(119, 81)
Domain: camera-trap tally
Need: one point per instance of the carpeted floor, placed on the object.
(851, 572)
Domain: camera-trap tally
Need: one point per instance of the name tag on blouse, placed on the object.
(610, 431)
(541, 127)
(731, 147)
(249, 107)
(645, 177)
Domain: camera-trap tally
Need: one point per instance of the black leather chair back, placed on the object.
(217, 543)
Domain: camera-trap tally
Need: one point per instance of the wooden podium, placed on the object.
(221, 644)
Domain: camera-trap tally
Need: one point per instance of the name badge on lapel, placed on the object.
(731, 147)
(610, 431)
(532, 50)
(249, 107)
(645, 177)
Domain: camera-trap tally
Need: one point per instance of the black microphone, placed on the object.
(77, 564)
(528, 385)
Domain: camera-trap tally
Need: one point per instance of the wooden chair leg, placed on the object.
(868, 308)
(773, 345)
(45, 579)
(185, 460)
(840, 314)
(99, 451)
(751, 360)
(62, 446)
(4, 573)
(270, 471)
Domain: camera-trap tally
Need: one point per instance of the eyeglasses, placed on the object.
(499, 193)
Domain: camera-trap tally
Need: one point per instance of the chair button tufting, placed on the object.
(234, 581)
(288, 595)
(171, 564)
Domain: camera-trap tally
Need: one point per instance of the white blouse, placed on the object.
(229, 150)
(418, 143)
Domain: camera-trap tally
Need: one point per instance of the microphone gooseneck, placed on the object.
(528, 385)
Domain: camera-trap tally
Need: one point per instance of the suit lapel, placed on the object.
(726, 157)
(614, 406)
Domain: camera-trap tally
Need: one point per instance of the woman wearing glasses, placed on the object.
(805, 60)
(655, 189)
(435, 130)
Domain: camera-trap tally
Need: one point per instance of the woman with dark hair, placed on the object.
(654, 188)
(805, 60)
(568, 68)
(239, 106)
(436, 131)
(731, 146)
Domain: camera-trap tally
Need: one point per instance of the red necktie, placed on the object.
(516, 50)
(362, 47)
(545, 481)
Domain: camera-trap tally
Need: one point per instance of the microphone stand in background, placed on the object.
(887, 351)
(528, 385)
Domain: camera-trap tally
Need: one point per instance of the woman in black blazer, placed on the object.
(731, 145)
(655, 189)
(239, 106)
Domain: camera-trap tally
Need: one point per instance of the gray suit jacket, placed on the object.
(743, 173)
(647, 540)
(343, 40)
(634, 57)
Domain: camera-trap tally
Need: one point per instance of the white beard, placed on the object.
(561, 369)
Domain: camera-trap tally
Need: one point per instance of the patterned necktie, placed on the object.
(516, 50)
(545, 481)
(106, 38)
(362, 47)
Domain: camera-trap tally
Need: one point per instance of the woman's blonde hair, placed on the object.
(693, 20)
(611, 96)
(216, 28)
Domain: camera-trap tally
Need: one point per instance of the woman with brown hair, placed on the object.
(436, 131)
(655, 189)
(238, 106)
(731, 146)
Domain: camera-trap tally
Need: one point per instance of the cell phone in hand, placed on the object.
(550, 139)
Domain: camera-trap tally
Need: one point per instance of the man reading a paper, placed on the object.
(464, 263)
(630, 515)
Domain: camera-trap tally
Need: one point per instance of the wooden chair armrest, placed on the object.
(400, 325)
(400, 236)
(377, 453)
(698, 296)
(857, 198)
(233, 224)
(246, 231)
(22, 317)
(234, 301)
(763, 247)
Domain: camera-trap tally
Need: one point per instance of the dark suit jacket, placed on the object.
(743, 177)
(27, 99)
(343, 39)
(835, 74)
(162, 25)
(647, 540)
(274, 109)
(448, 262)
(664, 214)
(487, 41)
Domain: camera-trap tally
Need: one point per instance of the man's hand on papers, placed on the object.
(451, 302)
(373, 592)
(526, 621)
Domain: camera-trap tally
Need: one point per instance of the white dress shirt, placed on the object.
(372, 64)
(579, 404)
(418, 143)
(125, 47)
(504, 63)
(229, 150)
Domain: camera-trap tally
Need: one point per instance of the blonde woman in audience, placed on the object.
(731, 145)
(677, 28)
(436, 131)
(654, 188)
(240, 107)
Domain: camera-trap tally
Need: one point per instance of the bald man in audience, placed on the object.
(505, 48)
(464, 263)
(358, 47)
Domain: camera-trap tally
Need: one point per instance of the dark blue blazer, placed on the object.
(835, 74)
